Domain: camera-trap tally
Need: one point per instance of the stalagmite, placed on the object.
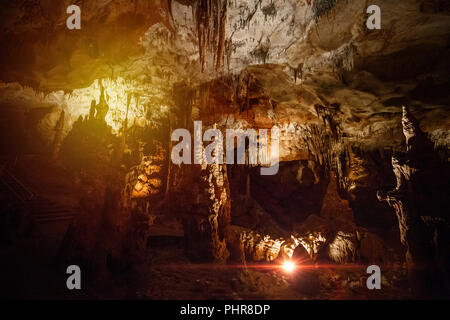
(419, 198)
(58, 135)
(205, 224)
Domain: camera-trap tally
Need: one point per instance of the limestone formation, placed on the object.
(419, 199)
(205, 209)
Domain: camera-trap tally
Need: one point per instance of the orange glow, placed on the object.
(288, 266)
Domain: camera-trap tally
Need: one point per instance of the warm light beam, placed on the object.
(288, 266)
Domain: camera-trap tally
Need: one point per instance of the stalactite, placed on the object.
(269, 10)
(221, 40)
(228, 51)
(211, 16)
(322, 7)
(298, 72)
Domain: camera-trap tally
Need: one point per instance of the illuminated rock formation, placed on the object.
(419, 198)
(144, 182)
(207, 214)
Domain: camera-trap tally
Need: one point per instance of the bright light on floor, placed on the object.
(288, 266)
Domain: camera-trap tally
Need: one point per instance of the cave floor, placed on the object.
(166, 273)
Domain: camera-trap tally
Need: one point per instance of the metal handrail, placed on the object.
(27, 190)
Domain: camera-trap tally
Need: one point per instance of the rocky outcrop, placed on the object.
(420, 200)
(360, 174)
(201, 198)
(334, 235)
(107, 235)
(247, 246)
(144, 183)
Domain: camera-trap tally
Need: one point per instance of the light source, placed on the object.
(288, 266)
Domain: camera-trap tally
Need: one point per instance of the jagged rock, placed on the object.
(144, 182)
(248, 246)
(336, 237)
(206, 206)
(343, 248)
(420, 199)
(322, 240)
(333, 206)
(259, 247)
(360, 174)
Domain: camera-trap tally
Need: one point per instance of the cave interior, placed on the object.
(87, 173)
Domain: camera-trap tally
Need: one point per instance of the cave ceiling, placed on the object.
(300, 55)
